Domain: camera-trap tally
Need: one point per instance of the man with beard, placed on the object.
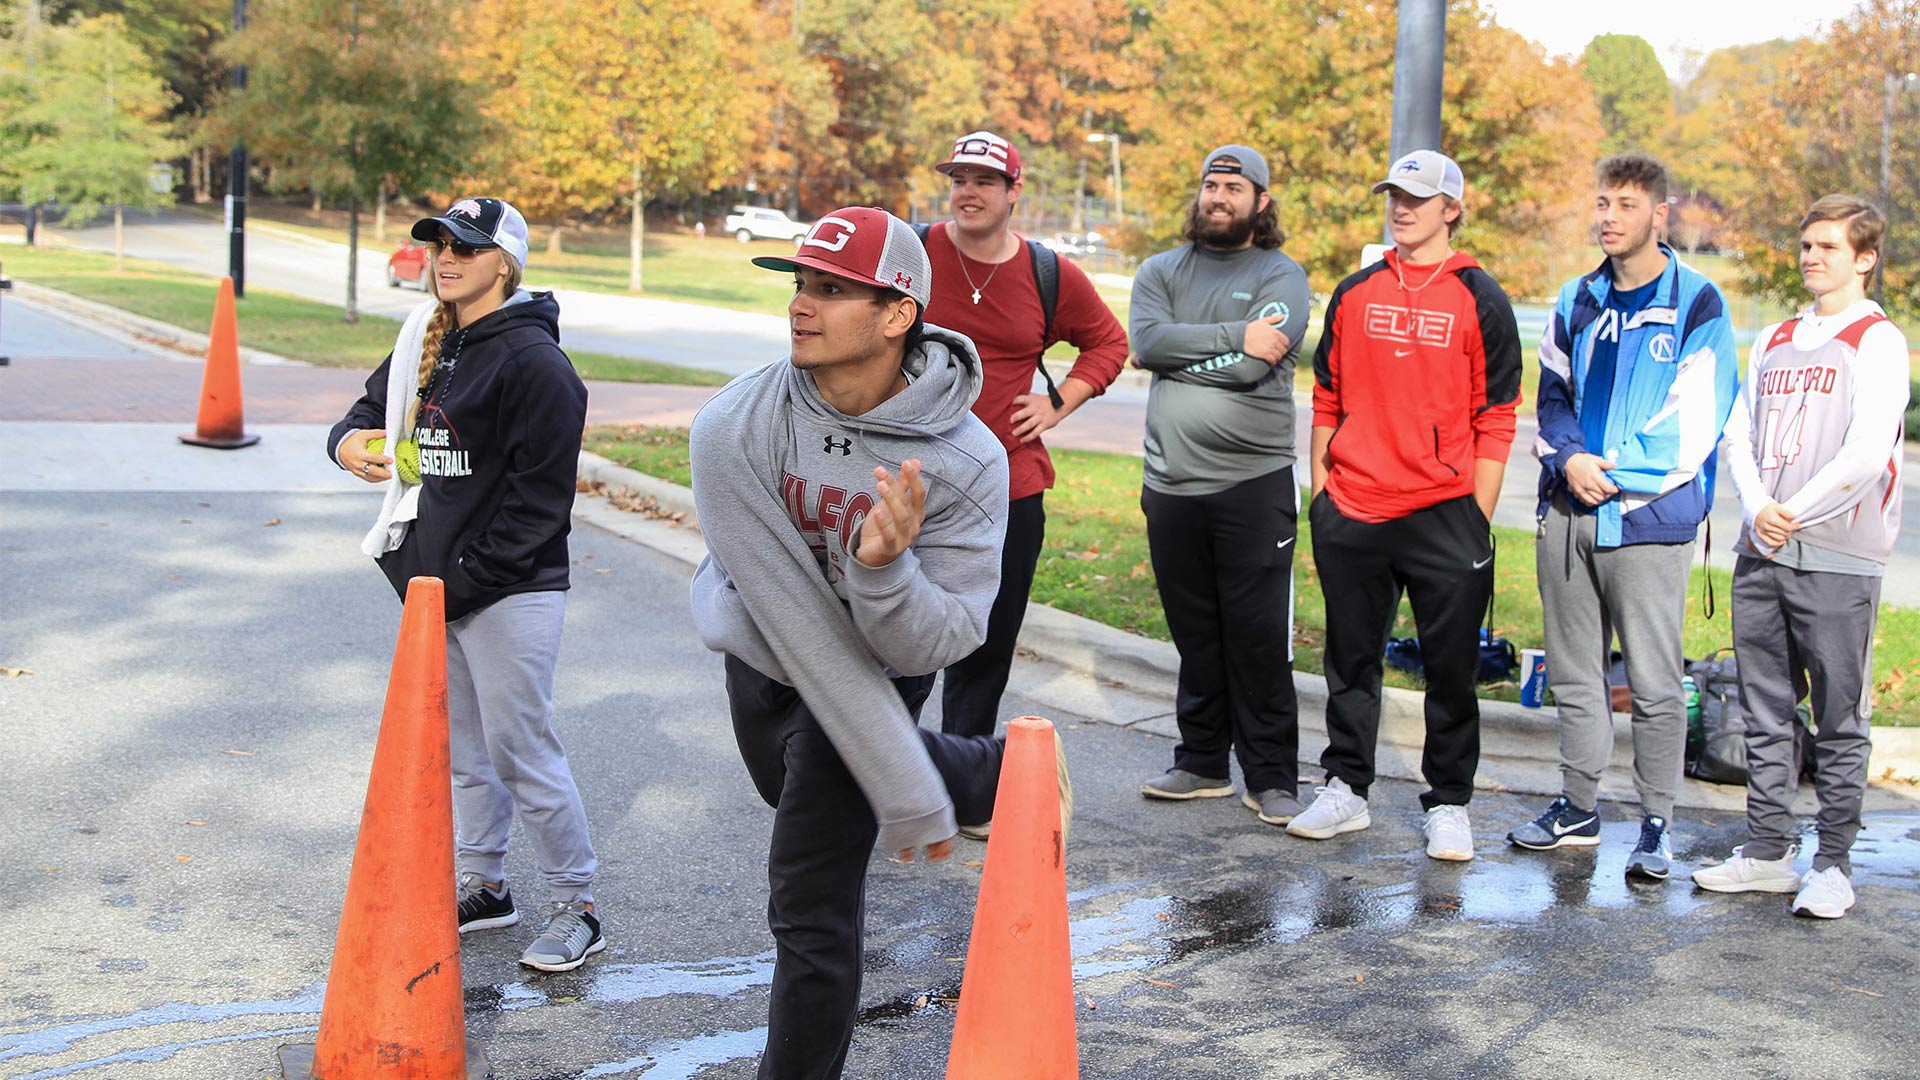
(987, 284)
(1638, 375)
(1218, 322)
(1415, 382)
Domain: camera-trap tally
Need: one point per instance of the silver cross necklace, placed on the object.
(969, 275)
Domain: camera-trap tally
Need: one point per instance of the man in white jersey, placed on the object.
(1815, 450)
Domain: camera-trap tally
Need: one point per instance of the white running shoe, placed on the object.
(1827, 894)
(1449, 834)
(1742, 874)
(1335, 810)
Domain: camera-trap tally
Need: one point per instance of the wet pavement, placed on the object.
(186, 764)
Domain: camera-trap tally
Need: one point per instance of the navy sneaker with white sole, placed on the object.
(1563, 825)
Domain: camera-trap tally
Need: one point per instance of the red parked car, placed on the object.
(408, 265)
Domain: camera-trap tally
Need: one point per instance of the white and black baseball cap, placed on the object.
(1425, 173)
(864, 244)
(481, 223)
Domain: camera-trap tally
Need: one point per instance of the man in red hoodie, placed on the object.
(1415, 381)
(984, 286)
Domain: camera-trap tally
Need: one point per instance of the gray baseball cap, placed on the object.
(1425, 173)
(1238, 160)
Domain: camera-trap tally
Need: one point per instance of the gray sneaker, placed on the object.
(1274, 806)
(1652, 858)
(1181, 784)
(978, 832)
(572, 934)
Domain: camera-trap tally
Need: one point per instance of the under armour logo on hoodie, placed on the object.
(845, 446)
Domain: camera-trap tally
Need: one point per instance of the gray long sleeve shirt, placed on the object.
(782, 482)
(1215, 417)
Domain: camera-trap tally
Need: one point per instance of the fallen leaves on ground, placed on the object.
(15, 672)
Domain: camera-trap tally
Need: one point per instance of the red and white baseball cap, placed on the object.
(864, 244)
(985, 149)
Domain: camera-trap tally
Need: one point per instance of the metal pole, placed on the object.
(1886, 186)
(237, 182)
(1119, 192)
(1419, 63)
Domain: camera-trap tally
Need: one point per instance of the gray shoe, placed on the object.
(976, 832)
(1274, 806)
(1181, 784)
(1652, 858)
(572, 934)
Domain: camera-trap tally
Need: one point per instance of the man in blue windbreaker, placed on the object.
(1638, 375)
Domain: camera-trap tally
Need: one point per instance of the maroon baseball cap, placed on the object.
(985, 149)
(865, 244)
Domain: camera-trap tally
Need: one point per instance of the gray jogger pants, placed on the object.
(1786, 621)
(500, 663)
(1588, 595)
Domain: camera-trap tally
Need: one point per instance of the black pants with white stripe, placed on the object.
(1442, 558)
(1224, 563)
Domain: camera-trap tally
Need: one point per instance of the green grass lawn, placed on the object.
(288, 325)
(1095, 564)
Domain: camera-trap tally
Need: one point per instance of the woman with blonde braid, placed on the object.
(482, 413)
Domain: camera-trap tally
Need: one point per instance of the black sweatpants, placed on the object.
(1224, 563)
(970, 696)
(1442, 557)
(823, 835)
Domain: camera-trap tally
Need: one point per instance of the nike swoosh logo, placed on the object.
(1284, 543)
(1562, 830)
(1482, 563)
(1403, 352)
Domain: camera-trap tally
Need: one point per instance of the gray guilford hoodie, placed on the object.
(782, 482)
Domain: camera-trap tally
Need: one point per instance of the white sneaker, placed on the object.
(1335, 810)
(1741, 874)
(1827, 894)
(1449, 834)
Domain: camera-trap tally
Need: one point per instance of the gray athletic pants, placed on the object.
(1588, 595)
(500, 663)
(1786, 621)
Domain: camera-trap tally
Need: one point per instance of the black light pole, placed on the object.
(1419, 61)
(237, 182)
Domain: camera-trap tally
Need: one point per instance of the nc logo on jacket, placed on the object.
(1663, 348)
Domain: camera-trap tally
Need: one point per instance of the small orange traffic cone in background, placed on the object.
(220, 425)
(394, 1007)
(1015, 1020)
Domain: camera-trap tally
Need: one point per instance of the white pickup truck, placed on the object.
(748, 223)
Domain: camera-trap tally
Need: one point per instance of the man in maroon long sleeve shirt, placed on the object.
(984, 287)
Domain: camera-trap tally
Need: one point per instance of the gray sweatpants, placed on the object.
(500, 663)
(1588, 595)
(1786, 621)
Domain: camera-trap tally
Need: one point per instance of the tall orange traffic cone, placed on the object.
(394, 1004)
(219, 424)
(1015, 1020)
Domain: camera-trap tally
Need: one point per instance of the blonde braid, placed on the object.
(437, 328)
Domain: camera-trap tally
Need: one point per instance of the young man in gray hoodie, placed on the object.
(853, 509)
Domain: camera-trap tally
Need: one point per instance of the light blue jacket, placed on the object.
(1676, 379)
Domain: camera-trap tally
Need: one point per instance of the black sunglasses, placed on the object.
(458, 247)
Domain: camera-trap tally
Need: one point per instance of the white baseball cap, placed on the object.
(1425, 173)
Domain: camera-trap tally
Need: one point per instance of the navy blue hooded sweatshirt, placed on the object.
(499, 433)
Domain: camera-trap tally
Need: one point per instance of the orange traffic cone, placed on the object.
(219, 424)
(1015, 1020)
(394, 1004)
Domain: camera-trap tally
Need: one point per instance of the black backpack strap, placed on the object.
(1046, 277)
(921, 229)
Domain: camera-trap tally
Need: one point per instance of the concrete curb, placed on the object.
(133, 330)
(1133, 679)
